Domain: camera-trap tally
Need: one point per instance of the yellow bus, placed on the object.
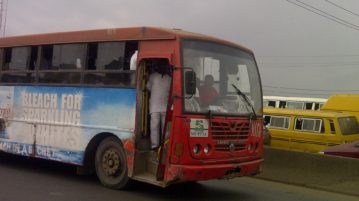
(348, 103)
(303, 103)
(310, 131)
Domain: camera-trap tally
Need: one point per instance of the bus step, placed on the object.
(152, 162)
(149, 178)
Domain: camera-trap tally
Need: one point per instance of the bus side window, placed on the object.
(33, 57)
(332, 127)
(91, 56)
(108, 63)
(2, 58)
(267, 120)
(46, 57)
(7, 59)
(298, 124)
(282, 104)
(62, 63)
(271, 103)
(281, 122)
(69, 56)
(308, 106)
(130, 49)
(19, 58)
(110, 55)
(16, 61)
(309, 125)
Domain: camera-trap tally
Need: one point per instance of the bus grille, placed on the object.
(230, 136)
(224, 147)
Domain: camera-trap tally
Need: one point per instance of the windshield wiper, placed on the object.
(245, 98)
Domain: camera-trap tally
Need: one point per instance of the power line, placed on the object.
(325, 15)
(336, 5)
(301, 89)
(3, 14)
(4, 30)
(308, 56)
(306, 66)
(328, 14)
(312, 63)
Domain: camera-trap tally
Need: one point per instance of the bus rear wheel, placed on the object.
(111, 164)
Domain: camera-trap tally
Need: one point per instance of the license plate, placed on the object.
(199, 128)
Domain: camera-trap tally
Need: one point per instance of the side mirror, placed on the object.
(190, 81)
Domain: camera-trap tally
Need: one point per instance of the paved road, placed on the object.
(36, 180)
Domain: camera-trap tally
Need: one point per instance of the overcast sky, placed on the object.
(299, 53)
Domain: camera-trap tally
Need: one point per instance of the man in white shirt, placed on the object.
(159, 85)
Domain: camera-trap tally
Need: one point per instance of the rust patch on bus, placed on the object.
(129, 146)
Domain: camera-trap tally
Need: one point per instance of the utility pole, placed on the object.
(3, 14)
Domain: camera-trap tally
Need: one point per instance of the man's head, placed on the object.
(208, 80)
(162, 66)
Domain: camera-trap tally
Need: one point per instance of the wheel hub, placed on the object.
(111, 162)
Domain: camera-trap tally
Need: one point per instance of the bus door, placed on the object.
(150, 163)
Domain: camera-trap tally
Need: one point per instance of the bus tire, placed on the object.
(111, 163)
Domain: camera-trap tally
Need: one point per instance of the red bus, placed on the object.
(80, 98)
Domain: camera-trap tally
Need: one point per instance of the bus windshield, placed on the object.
(220, 70)
(348, 125)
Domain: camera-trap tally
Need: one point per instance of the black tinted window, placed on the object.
(69, 56)
(106, 56)
(17, 58)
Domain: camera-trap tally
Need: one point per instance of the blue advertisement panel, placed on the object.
(57, 123)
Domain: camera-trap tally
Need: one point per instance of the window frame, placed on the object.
(333, 130)
(311, 131)
(27, 63)
(30, 73)
(295, 102)
(278, 116)
(37, 70)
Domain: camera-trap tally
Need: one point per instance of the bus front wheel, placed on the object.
(111, 164)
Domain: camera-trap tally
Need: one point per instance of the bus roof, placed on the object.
(343, 102)
(299, 99)
(309, 113)
(113, 34)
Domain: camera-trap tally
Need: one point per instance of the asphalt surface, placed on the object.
(23, 179)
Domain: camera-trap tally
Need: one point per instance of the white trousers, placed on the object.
(157, 125)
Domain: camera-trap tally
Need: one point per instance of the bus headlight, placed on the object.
(196, 148)
(207, 149)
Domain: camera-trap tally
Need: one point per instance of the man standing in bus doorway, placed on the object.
(159, 85)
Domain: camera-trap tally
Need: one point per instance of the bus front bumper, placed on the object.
(181, 173)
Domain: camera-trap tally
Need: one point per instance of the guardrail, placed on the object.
(337, 174)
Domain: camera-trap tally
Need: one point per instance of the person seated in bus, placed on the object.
(207, 93)
(158, 84)
(114, 64)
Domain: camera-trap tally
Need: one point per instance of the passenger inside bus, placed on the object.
(207, 93)
(192, 102)
(158, 85)
(116, 63)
